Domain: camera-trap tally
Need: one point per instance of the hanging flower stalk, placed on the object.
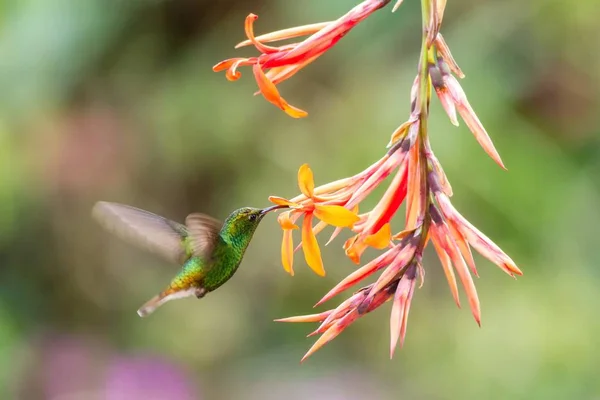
(418, 180)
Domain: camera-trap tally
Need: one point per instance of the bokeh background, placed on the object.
(115, 100)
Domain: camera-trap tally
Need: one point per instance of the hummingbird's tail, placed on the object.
(151, 305)
(167, 295)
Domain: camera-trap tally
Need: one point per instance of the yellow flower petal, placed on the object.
(280, 201)
(287, 251)
(290, 110)
(381, 239)
(306, 182)
(285, 221)
(312, 253)
(336, 215)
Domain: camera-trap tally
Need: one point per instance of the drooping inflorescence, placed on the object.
(418, 181)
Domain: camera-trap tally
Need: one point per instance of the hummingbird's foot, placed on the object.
(200, 292)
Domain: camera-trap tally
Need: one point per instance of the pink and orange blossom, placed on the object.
(418, 180)
(276, 64)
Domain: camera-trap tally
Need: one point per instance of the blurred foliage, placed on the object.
(115, 100)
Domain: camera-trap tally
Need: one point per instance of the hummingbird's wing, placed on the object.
(152, 232)
(203, 233)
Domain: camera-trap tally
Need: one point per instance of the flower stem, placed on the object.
(423, 101)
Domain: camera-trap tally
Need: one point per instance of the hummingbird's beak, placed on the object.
(269, 209)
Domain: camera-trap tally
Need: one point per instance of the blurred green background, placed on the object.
(115, 100)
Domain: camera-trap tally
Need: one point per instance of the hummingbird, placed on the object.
(208, 251)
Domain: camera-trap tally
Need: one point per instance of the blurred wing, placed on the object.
(144, 229)
(203, 234)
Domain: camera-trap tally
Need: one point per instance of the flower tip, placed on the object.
(295, 112)
(291, 319)
(496, 157)
(313, 333)
(513, 268)
(477, 316)
(305, 318)
(323, 300)
(397, 5)
(243, 44)
(325, 338)
(393, 345)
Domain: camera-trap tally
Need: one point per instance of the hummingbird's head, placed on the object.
(246, 219)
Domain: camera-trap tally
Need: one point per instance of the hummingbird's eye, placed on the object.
(252, 217)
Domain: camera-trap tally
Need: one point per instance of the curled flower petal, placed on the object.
(312, 253)
(354, 247)
(285, 221)
(381, 239)
(335, 215)
(306, 181)
(231, 66)
(249, 28)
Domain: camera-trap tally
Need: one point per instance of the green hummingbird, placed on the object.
(209, 251)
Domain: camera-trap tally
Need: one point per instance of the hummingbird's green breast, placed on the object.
(227, 255)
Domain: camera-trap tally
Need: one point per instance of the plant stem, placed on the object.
(423, 99)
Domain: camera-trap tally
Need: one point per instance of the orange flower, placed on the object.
(285, 61)
(311, 206)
